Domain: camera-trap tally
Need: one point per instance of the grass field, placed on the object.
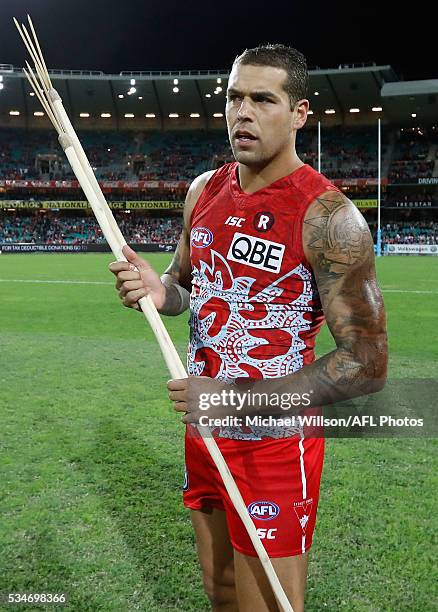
(91, 454)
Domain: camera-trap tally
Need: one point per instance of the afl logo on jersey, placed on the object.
(263, 510)
(263, 221)
(201, 237)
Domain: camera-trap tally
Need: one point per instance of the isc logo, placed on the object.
(236, 221)
(266, 534)
(263, 510)
(201, 237)
(256, 252)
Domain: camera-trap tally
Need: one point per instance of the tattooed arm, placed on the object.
(136, 277)
(339, 247)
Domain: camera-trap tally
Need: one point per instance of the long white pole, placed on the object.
(379, 181)
(319, 146)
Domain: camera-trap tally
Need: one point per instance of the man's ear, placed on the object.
(299, 115)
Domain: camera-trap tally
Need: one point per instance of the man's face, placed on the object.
(259, 117)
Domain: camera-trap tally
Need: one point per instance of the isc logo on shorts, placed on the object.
(256, 252)
(263, 510)
(266, 534)
(201, 237)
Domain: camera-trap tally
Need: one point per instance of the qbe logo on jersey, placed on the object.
(256, 252)
(263, 510)
(201, 237)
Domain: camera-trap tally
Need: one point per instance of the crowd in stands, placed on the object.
(345, 153)
(18, 151)
(414, 156)
(51, 228)
(404, 171)
(113, 155)
(349, 153)
(420, 232)
(140, 228)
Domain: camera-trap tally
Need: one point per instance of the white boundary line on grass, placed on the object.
(79, 282)
(407, 291)
(54, 282)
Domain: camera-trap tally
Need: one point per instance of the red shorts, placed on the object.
(278, 480)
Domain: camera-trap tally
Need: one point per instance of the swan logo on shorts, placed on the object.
(263, 510)
(303, 510)
(201, 237)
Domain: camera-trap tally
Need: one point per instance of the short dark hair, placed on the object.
(280, 56)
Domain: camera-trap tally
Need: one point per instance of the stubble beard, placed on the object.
(249, 158)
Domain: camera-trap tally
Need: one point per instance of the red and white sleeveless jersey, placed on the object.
(255, 309)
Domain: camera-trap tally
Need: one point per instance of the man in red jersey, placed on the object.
(268, 249)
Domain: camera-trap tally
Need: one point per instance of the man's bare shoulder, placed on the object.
(194, 192)
(331, 199)
(200, 182)
(334, 230)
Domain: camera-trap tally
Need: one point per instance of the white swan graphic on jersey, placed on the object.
(233, 340)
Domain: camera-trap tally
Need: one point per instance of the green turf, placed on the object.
(91, 455)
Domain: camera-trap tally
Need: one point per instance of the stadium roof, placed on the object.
(168, 99)
(412, 97)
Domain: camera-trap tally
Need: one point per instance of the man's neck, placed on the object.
(252, 179)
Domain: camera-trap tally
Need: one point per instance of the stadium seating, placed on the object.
(419, 232)
(349, 153)
(346, 153)
(50, 228)
(113, 155)
(413, 157)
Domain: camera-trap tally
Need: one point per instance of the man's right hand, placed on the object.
(136, 279)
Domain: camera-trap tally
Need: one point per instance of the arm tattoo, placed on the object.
(337, 236)
(339, 248)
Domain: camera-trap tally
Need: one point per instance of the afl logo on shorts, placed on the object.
(263, 510)
(201, 237)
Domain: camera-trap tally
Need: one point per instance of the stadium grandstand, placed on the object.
(148, 134)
